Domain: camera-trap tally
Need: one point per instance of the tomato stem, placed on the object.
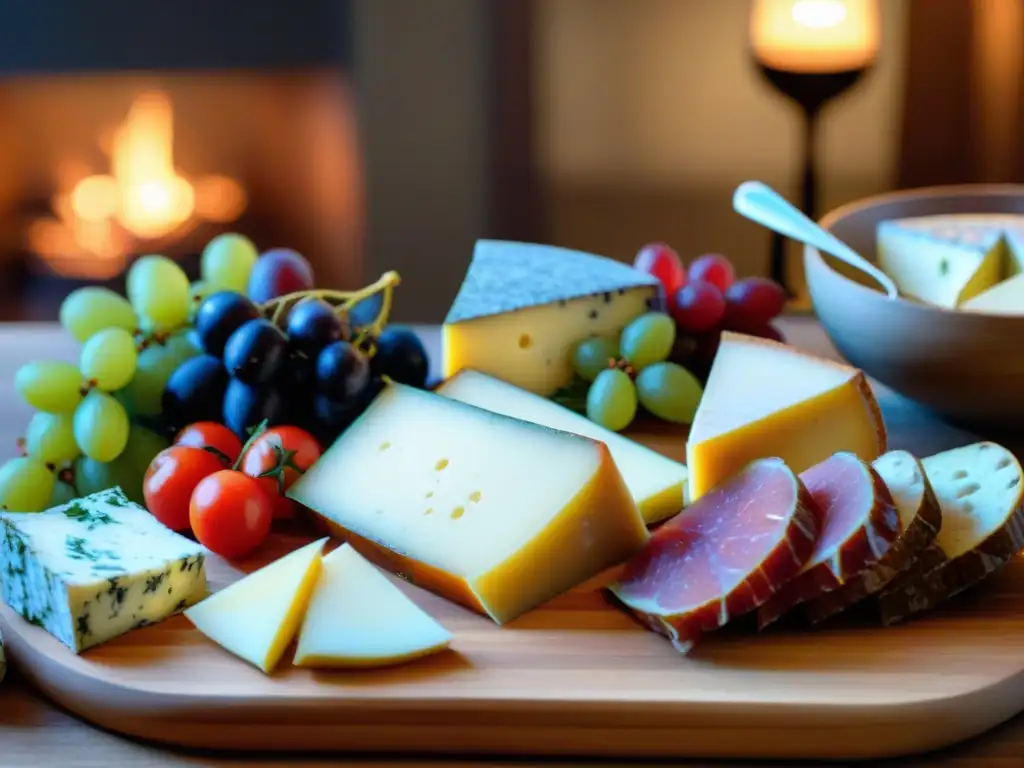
(254, 434)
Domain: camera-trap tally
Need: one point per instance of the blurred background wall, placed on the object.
(391, 134)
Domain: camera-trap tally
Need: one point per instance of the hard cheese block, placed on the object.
(768, 399)
(257, 617)
(495, 513)
(95, 568)
(980, 491)
(357, 618)
(655, 482)
(523, 308)
(947, 260)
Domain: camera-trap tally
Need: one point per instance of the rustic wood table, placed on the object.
(34, 732)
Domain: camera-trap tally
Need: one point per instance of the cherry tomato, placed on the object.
(172, 476)
(210, 434)
(230, 513)
(287, 452)
(662, 262)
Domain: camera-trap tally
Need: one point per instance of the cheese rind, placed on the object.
(768, 399)
(96, 568)
(523, 308)
(492, 512)
(357, 618)
(655, 482)
(256, 618)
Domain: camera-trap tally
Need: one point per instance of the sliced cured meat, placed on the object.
(920, 519)
(722, 556)
(859, 525)
(979, 488)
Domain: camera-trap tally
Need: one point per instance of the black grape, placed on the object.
(342, 372)
(195, 392)
(246, 406)
(401, 357)
(219, 316)
(312, 325)
(255, 352)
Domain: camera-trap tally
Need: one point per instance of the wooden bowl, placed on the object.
(968, 368)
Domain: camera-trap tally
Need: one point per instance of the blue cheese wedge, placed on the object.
(96, 568)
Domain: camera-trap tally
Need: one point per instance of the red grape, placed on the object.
(713, 268)
(698, 307)
(752, 302)
(279, 272)
(662, 262)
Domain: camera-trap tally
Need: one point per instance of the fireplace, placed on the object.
(132, 128)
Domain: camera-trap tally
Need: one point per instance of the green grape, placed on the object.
(62, 493)
(159, 291)
(88, 310)
(50, 438)
(648, 340)
(611, 400)
(227, 262)
(592, 356)
(156, 363)
(197, 295)
(669, 392)
(101, 426)
(50, 386)
(25, 485)
(127, 471)
(109, 358)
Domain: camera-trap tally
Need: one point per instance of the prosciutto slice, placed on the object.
(859, 526)
(722, 556)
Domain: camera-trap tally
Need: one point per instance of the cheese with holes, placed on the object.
(523, 308)
(769, 399)
(96, 568)
(256, 618)
(358, 618)
(492, 512)
(655, 482)
(981, 494)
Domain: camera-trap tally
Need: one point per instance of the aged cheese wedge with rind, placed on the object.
(919, 518)
(523, 308)
(768, 399)
(256, 618)
(495, 513)
(96, 568)
(859, 525)
(655, 482)
(979, 488)
(358, 618)
(722, 556)
(946, 259)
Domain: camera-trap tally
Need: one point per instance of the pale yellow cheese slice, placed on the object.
(495, 513)
(655, 482)
(257, 617)
(357, 618)
(1005, 298)
(766, 399)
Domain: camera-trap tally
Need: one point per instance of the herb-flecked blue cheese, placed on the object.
(96, 568)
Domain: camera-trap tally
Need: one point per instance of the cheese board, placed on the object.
(572, 545)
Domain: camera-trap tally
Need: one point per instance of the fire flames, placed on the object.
(143, 203)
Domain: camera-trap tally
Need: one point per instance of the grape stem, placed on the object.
(344, 301)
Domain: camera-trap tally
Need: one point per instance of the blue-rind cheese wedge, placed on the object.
(523, 308)
(95, 568)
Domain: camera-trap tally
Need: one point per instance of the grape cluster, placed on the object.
(634, 371)
(707, 299)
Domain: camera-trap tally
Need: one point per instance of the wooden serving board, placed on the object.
(575, 678)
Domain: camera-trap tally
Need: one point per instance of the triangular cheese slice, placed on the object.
(768, 399)
(523, 308)
(949, 259)
(357, 618)
(1005, 298)
(654, 481)
(257, 617)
